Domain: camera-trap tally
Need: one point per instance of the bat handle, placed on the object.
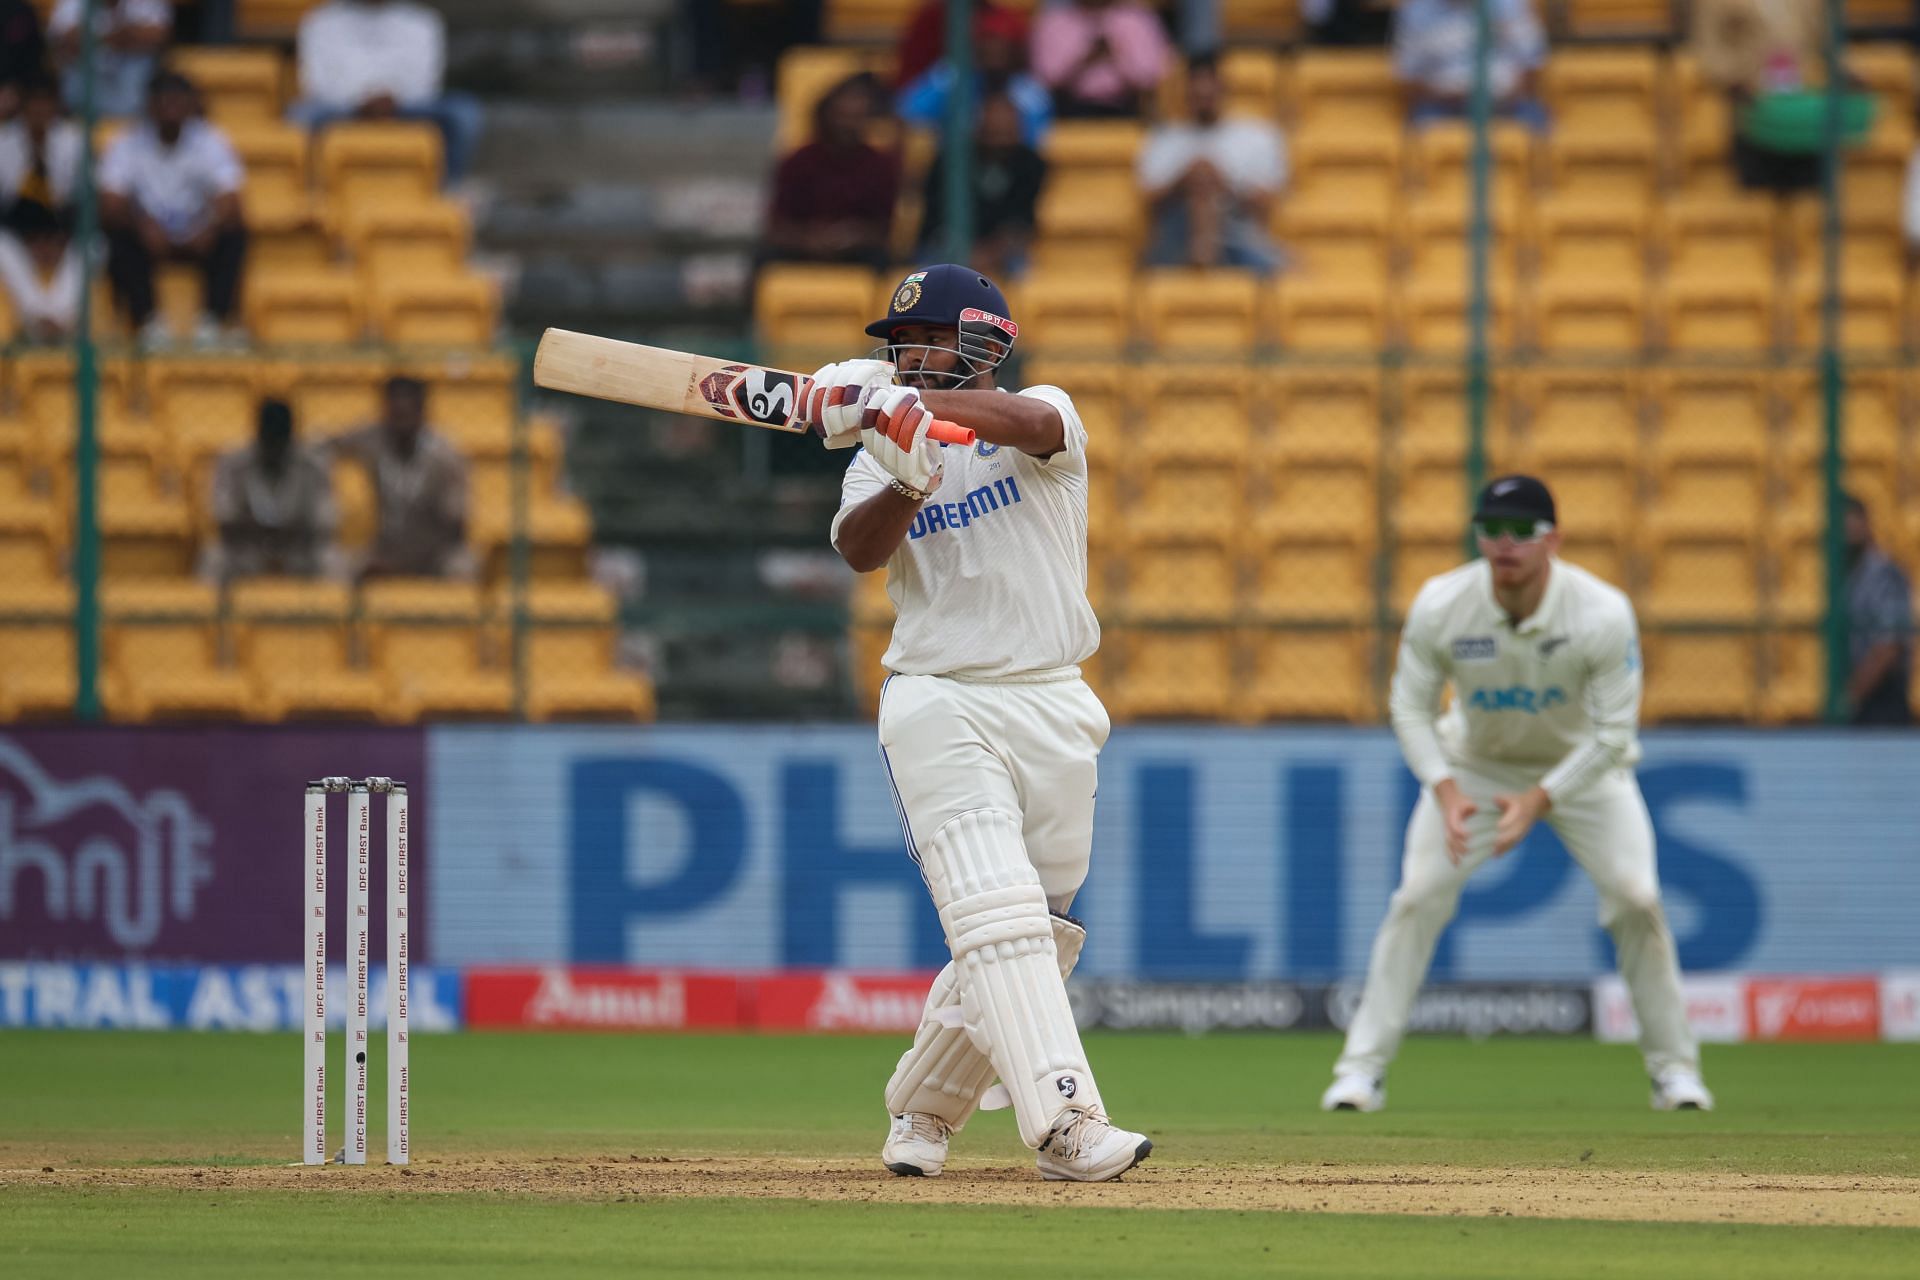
(949, 432)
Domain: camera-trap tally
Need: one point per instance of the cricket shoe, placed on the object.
(916, 1147)
(1089, 1148)
(1354, 1093)
(1680, 1090)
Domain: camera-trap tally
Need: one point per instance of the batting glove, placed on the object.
(894, 429)
(836, 395)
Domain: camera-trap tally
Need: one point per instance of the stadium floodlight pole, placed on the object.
(1480, 114)
(1839, 662)
(86, 468)
(957, 142)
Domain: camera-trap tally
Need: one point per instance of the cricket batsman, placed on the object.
(1544, 659)
(989, 736)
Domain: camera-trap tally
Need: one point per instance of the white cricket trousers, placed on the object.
(1027, 748)
(1609, 833)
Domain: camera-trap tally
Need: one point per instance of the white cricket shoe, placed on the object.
(1681, 1090)
(916, 1147)
(1089, 1148)
(1354, 1093)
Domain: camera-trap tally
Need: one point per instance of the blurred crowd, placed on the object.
(169, 180)
(1210, 177)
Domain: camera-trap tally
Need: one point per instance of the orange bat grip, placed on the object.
(949, 432)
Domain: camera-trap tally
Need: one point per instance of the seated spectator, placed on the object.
(23, 53)
(999, 58)
(383, 60)
(1752, 50)
(128, 37)
(40, 152)
(1099, 57)
(1433, 54)
(41, 270)
(1347, 23)
(1880, 627)
(420, 489)
(170, 192)
(833, 197)
(1007, 175)
(923, 41)
(272, 502)
(1211, 182)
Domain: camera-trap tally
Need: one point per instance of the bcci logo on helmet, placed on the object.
(905, 296)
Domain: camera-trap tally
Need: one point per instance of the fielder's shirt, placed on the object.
(991, 580)
(1559, 690)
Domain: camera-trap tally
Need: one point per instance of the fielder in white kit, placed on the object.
(989, 736)
(1544, 659)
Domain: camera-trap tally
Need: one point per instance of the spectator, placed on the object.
(1880, 627)
(41, 270)
(1211, 182)
(128, 37)
(1007, 175)
(273, 504)
(999, 55)
(1100, 57)
(1753, 49)
(1433, 54)
(170, 191)
(833, 198)
(923, 41)
(23, 53)
(383, 60)
(420, 487)
(40, 152)
(1344, 23)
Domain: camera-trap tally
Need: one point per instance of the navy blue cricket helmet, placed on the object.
(953, 297)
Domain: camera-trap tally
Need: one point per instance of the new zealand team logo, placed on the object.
(766, 396)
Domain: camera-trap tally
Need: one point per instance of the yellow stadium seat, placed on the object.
(1872, 236)
(1874, 407)
(1705, 495)
(570, 665)
(1702, 578)
(271, 18)
(278, 191)
(429, 239)
(1319, 412)
(1439, 233)
(1345, 166)
(1189, 499)
(1430, 501)
(426, 639)
(381, 163)
(331, 394)
(1335, 240)
(814, 308)
(867, 644)
(1317, 674)
(472, 400)
(1330, 315)
(1194, 413)
(1082, 147)
(558, 526)
(1099, 389)
(208, 404)
(1715, 413)
(1875, 169)
(1105, 524)
(1603, 556)
(308, 308)
(146, 528)
(1350, 89)
(1255, 79)
(877, 21)
(804, 75)
(31, 537)
(1211, 312)
(460, 310)
(1089, 219)
(1702, 129)
(1579, 415)
(241, 85)
(1593, 314)
(1174, 674)
(1603, 163)
(1716, 235)
(294, 639)
(38, 671)
(1434, 408)
(43, 395)
(1443, 161)
(1700, 677)
(1308, 575)
(1415, 560)
(1257, 20)
(1883, 66)
(1798, 582)
(1796, 677)
(1873, 312)
(1311, 494)
(1615, 18)
(1435, 315)
(1799, 506)
(1176, 578)
(1731, 314)
(1603, 88)
(1595, 499)
(163, 658)
(1582, 238)
(1075, 313)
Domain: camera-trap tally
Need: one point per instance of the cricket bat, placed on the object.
(627, 372)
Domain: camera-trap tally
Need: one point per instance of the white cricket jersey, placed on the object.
(991, 580)
(1559, 690)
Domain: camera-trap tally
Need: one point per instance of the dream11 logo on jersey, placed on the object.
(97, 854)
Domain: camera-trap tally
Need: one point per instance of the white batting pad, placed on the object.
(944, 1074)
(1011, 991)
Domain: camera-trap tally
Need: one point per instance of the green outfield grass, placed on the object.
(151, 1102)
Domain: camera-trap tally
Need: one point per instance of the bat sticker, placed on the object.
(759, 395)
